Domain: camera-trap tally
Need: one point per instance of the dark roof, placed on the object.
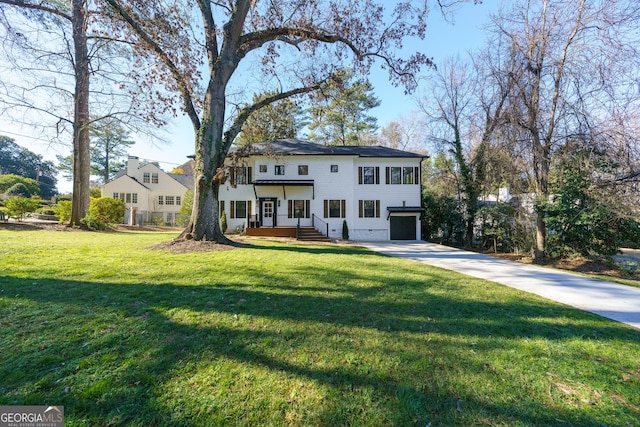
(405, 209)
(299, 147)
(186, 180)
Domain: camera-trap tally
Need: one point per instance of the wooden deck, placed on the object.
(306, 233)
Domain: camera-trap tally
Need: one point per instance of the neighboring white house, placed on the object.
(376, 190)
(151, 195)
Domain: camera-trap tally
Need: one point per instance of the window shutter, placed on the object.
(360, 208)
(377, 208)
(387, 172)
(248, 209)
(232, 213)
(359, 174)
(377, 174)
(308, 209)
(232, 176)
(326, 208)
(344, 208)
(249, 175)
(416, 175)
(290, 208)
(221, 206)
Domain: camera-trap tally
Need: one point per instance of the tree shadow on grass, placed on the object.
(130, 353)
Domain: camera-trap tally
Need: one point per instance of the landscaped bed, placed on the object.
(121, 332)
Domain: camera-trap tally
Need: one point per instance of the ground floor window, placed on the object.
(131, 198)
(299, 209)
(335, 208)
(239, 208)
(369, 208)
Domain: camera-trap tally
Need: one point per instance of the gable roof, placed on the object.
(299, 147)
(184, 179)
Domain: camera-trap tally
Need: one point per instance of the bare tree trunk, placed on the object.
(209, 176)
(81, 157)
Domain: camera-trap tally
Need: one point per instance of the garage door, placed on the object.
(403, 228)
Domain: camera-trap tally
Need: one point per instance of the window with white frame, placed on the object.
(303, 169)
(178, 200)
(169, 200)
(279, 170)
(154, 178)
(161, 200)
(146, 177)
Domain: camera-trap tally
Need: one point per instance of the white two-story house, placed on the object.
(150, 194)
(285, 183)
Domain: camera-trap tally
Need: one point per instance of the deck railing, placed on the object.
(319, 225)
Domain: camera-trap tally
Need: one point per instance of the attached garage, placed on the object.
(403, 227)
(404, 222)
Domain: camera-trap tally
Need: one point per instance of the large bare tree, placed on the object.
(63, 17)
(464, 108)
(294, 44)
(568, 57)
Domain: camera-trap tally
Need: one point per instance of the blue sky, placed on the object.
(443, 39)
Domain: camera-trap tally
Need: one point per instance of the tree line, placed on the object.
(548, 109)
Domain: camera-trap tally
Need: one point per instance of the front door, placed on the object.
(267, 213)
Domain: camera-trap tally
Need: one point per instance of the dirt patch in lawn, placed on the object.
(598, 267)
(35, 225)
(187, 246)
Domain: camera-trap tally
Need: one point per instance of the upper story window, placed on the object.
(303, 169)
(407, 173)
(169, 200)
(334, 168)
(263, 169)
(154, 178)
(402, 175)
(178, 200)
(240, 175)
(394, 175)
(279, 169)
(161, 200)
(368, 175)
(146, 177)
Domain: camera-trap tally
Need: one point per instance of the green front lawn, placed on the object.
(283, 334)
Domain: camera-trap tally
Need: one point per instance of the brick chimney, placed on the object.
(132, 166)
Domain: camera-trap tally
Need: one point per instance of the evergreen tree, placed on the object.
(339, 111)
(279, 120)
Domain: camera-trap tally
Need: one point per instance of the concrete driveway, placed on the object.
(610, 300)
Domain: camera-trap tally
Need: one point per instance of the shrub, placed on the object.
(223, 222)
(63, 210)
(185, 210)
(107, 210)
(18, 190)
(9, 180)
(345, 230)
(46, 210)
(19, 207)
